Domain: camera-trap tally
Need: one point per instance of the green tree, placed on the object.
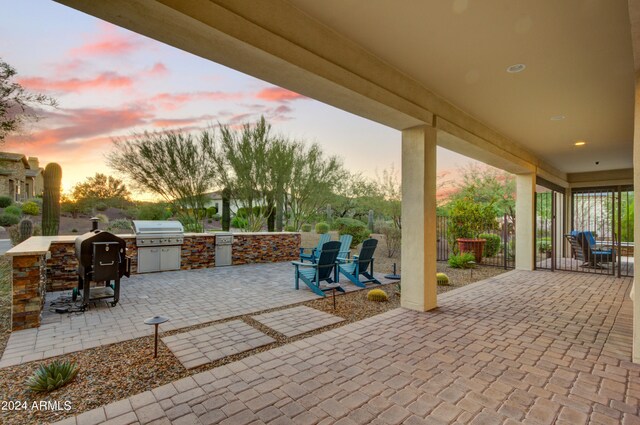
(179, 167)
(102, 188)
(486, 185)
(17, 106)
(355, 196)
(314, 178)
(243, 159)
(390, 188)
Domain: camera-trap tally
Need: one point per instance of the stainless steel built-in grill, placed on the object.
(159, 245)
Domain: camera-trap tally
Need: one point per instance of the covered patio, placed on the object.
(530, 347)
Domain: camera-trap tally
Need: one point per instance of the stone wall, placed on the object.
(198, 251)
(28, 291)
(265, 247)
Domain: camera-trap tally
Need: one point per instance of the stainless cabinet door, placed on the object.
(148, 260)
(170, 258)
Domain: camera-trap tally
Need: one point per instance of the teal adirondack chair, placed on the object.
(361, 264)
(345, 247)
(311, 253)
(324, 270)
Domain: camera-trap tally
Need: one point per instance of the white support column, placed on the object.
(419, 288)
(525, 221)
(635, 292)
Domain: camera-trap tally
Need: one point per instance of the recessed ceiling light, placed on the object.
(580, 143)
(557, 118)
(513, 69)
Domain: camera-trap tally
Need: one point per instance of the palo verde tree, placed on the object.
(314, 178)
(178, 167)
(256, 166)
(17, 106)
(101, 188)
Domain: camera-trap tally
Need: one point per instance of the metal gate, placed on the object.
(499, 250)
(592, 232)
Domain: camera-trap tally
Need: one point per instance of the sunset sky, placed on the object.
(111, 82)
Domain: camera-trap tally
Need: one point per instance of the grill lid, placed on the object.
(151, 227)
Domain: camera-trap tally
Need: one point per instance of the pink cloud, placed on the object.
(110, 41)
(172, 101)
(182, 122)
(67, 126)
(278, 94)
(108, 80)
(158, 69)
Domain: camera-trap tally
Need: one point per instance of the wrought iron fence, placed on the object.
(499, 250)
(592, 232)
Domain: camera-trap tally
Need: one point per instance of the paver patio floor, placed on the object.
(204, 345)
(186, 297)
(297, 320)
(523, 347)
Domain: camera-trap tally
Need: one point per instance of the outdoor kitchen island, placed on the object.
(48, 263)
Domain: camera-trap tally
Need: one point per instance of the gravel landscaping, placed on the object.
(117, 371)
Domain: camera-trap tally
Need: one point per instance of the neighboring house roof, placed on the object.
(32, 173)
(213, 195)
(8, 156)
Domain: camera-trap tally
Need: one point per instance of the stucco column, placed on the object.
(525, 221)
(419, 288)
(635, 291)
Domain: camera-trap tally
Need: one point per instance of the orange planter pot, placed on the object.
(474, 246)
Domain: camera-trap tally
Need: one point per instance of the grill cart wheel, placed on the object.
(74, 294)
(113, 303)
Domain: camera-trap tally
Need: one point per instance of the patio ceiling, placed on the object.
(578, 58)
(440, 63)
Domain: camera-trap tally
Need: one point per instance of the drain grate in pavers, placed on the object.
(297, 320)
(204, 345)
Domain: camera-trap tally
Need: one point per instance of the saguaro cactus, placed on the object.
(51, 199)
(226, 209)
(371, 221)
(26, 229)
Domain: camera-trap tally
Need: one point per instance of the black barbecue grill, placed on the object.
(101, 259)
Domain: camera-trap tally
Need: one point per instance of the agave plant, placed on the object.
(52, 376)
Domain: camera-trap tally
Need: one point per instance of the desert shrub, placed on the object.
(102, 218)
(544, 247)
(5, 201)
(8, 219)
(74, 230)
(355, 228)
(239, 222)
(101, 206)
(442, 279)
(36, 200)
(120, 224)
(13, 210)
(211, 211)
(243, 212)
(16, 237)
(306, 227)
(322, 228)
(379, 224)
(393, 237)
(377, 295)
(30, 208)
(289, 228)
(52, 376)
(462, 261)
(153, 212)
(492, 246)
